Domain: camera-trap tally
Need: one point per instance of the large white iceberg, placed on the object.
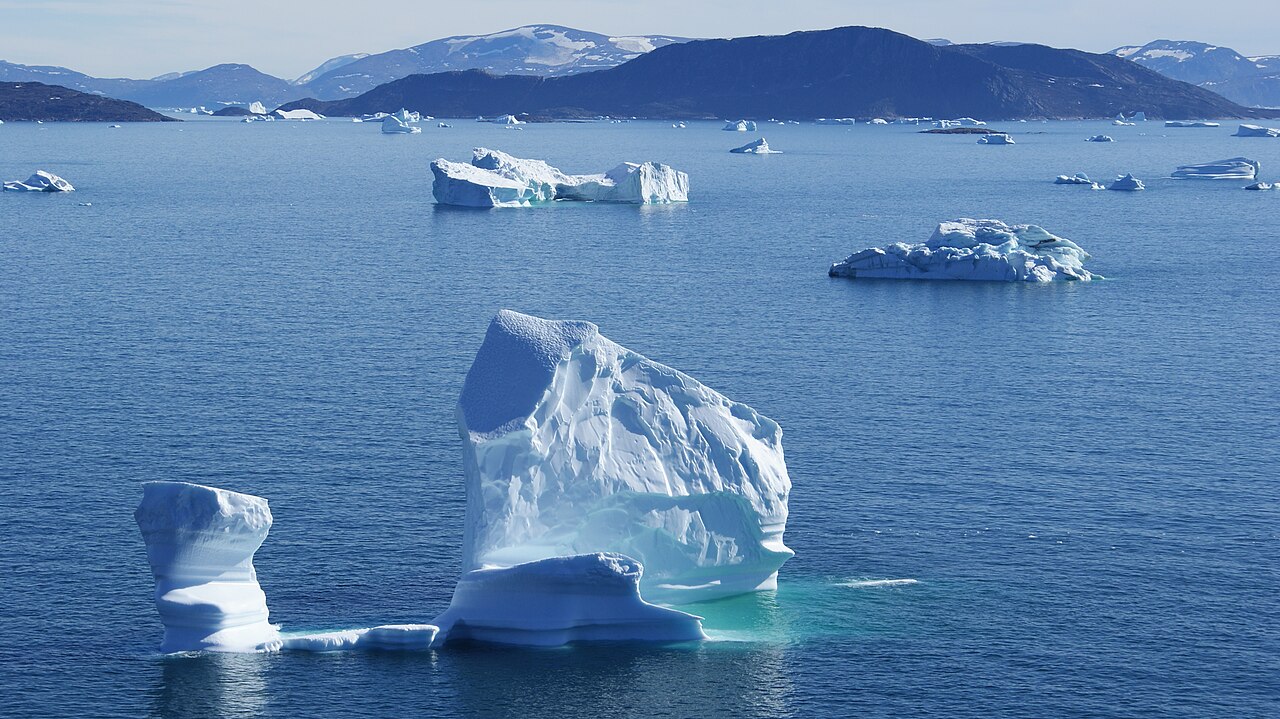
(1257, 131)
(574, 444)
(1189, 123)
(200, 543)
(555, 601)
(300, 114)
(1235, 168)
(496, 179)
(995, 138)
(967, 249)
(759, 147)
(393, 125)
(40, 181)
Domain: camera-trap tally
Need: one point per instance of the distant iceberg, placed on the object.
(1257, 131)
(505, 120)
(393, 125)
(967, 249)
(41, 181)
(1189, 123)
(1122, 123)
(739, 126)
(257, 108)
(1235, 168)
(300, 114)
(1077, 179)
(1101, 138)
(878, 121)
(407, 117)
(836, 121)
(759, 147)
(555, 601)
(1262, 186)
(1127, 183)
(995, 138)
(496, 179)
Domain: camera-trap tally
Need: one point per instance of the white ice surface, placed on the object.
(968, 249)
(394, 125)
(1235, 168)
(1189, 123)
(1257, 131)
(759, 147)
(297, 115)
(1077, 179)
(41, 181)
(739, 126)
(997, 138)
(1127, 183)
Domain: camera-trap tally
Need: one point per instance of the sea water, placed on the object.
(1079, 481)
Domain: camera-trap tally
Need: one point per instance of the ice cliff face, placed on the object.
(200, 543)
(968, 249)
(573, 444)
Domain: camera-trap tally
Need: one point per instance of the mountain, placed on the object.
(1249, 81)
(845, 72)
(63, 77)
(217, 85)
(545, 50)
(329, 65)
(31, 101)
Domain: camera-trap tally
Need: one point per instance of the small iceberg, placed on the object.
(443, 124)
(1127, 183)
(1262, 186)
(496, 179)
(968, 249)
(1257, 131)
(393, 125)
(1077, 179)
(300, 114)
(878, 121)
(505, 120)
(1122, 123)
(759, 147)
(1235, 168)
(834, 121)
(1101, 138)
(739, 126)
(41, 181)
(995, 138)
(1190, 123)
(679, 126)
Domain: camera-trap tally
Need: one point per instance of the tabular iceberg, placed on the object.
(759, 147)
(1127, 183)
(995, 138)
(1077, 179)
(1189, 123)
(496, 179)
(41, 181)
(968, 249)
(555, 601)
(1101, 138)
(1257, 131)
(1235, 168)
(300, 114)
(393, 125)
(573, 444)
(200, 543)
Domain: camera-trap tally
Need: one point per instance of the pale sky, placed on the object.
(144, 38)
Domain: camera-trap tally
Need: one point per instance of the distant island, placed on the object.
(38, 102)
(844, 72)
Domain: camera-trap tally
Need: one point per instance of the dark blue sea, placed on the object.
(1083, 480)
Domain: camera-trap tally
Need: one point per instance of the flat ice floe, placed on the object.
(759, 147)
(556, 601)
(995, 138)
(1127, 183)
(573, 444)
(301, 114)
(1235, 168)
(1257, 131)
(496, 179)
(1190, 123)
(40, 181)
(967, 249)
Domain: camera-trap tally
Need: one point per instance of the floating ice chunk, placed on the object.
(1235, 168)
(1261, 186)
(458, 183)
(200, 543)
(1127, 183)
(648, 183)
(835, 121)
(1257, 131)
(575, 444)
(759, 147)
(679, 126)
(995, 138)
(1122, 123)
(300, 114)
(393, 125)
(1189, 123)
(1077, 179)
(407, 117)
(495, 174)
(555, 601)
(968, 249)
(1101, 138)
(739, 126)
(390, 637)
(506, 120)
(878, 121)
(257, 108)
(443, 124)
(41, 181)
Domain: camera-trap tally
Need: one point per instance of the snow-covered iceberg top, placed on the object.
(1235, 168)
(393, 125)
(1077, 179)
(41, 181)
(995, 138)
(300, 114)
(555, 601)
(1189, 123)
(967, 249)
(759, 147)
(496, 179)
(1101, 138)
(739, 126)
(1257, 131)
(573, 444)
(1127, 183)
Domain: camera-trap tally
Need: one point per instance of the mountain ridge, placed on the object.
(1251, 81)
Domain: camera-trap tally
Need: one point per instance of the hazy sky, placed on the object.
(144, 38)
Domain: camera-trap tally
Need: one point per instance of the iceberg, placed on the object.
(1235, 168)
(1189, 123)
(739, 126)
(1122, 123)
(393, 125)
(200, 544)
(41, 181)
(301, 114)
(1261, 186)
(878, 121)
(506, 120)
(1077, 179)
(759, 147)
(834, 121)
(443, 124)
(1127, 183)
(995, 138)
(407, 117)
(496, 179)
(555, 601)
(1257, 131)
(1101, 138)
(967, 249)
(573, 444)
(257, 108)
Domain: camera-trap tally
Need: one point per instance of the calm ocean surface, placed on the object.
(1082, 479)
